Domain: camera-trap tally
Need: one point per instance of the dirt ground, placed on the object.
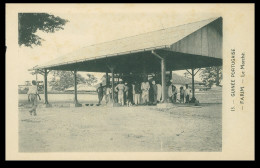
(121, 129)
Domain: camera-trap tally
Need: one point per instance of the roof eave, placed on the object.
(103, 56)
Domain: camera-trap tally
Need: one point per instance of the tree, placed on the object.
(211, 75)
(64, 79)
(91, 79)
(30, 23)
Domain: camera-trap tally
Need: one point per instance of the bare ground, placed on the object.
(121, 129)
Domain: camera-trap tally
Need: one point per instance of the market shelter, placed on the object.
(189, 46)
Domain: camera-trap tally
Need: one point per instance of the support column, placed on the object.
(163, 74)
(113, 85)
(193, 88)
(75, 87)
(77, 104)
(45, 87)
(112, 70)
(171, 75)
(107, 79)
(193, 99)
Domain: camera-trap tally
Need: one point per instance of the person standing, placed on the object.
(137, 89)
(187, 94)
(145, 91)
(154, 86)
(159, 92)
(133, 91)
(174, 92)
(120, 90)
(170, 93)
(32, 94)
(181, 95)
(115, 96)
(126, 94)
(100, 93)
(108, 94)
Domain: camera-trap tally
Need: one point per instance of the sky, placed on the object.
(89, 28)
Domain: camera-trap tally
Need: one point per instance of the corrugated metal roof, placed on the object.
(157, 39)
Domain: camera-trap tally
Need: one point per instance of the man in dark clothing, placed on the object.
(138, 91)
(126, 94)
(174, 91)
(154, 88)
(181, 95)
(100, 93)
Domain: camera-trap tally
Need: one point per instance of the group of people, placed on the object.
(121, 93)
(144, 92)
(185, 94)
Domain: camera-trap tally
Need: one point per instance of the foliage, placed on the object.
(211, 75)
(30, 23)
(62, 80)
(91, 79)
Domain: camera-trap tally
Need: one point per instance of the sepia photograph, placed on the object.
(110, 79)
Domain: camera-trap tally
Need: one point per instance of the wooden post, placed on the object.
(75, 88)
(45, 87)
(170, 75)
(113, 85)
(193, 99)
(112, 68)
(163, 74)
(107, 79)
(193, 88)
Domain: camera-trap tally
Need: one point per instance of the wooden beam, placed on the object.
(111, 67)
(113, 85)
(193, 87)
(163, 73)
(107, 79)
(188, 71)
(75, 87)
(197, 71)
(155, 54)
(45, 87)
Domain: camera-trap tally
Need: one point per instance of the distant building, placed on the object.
(179, 81)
